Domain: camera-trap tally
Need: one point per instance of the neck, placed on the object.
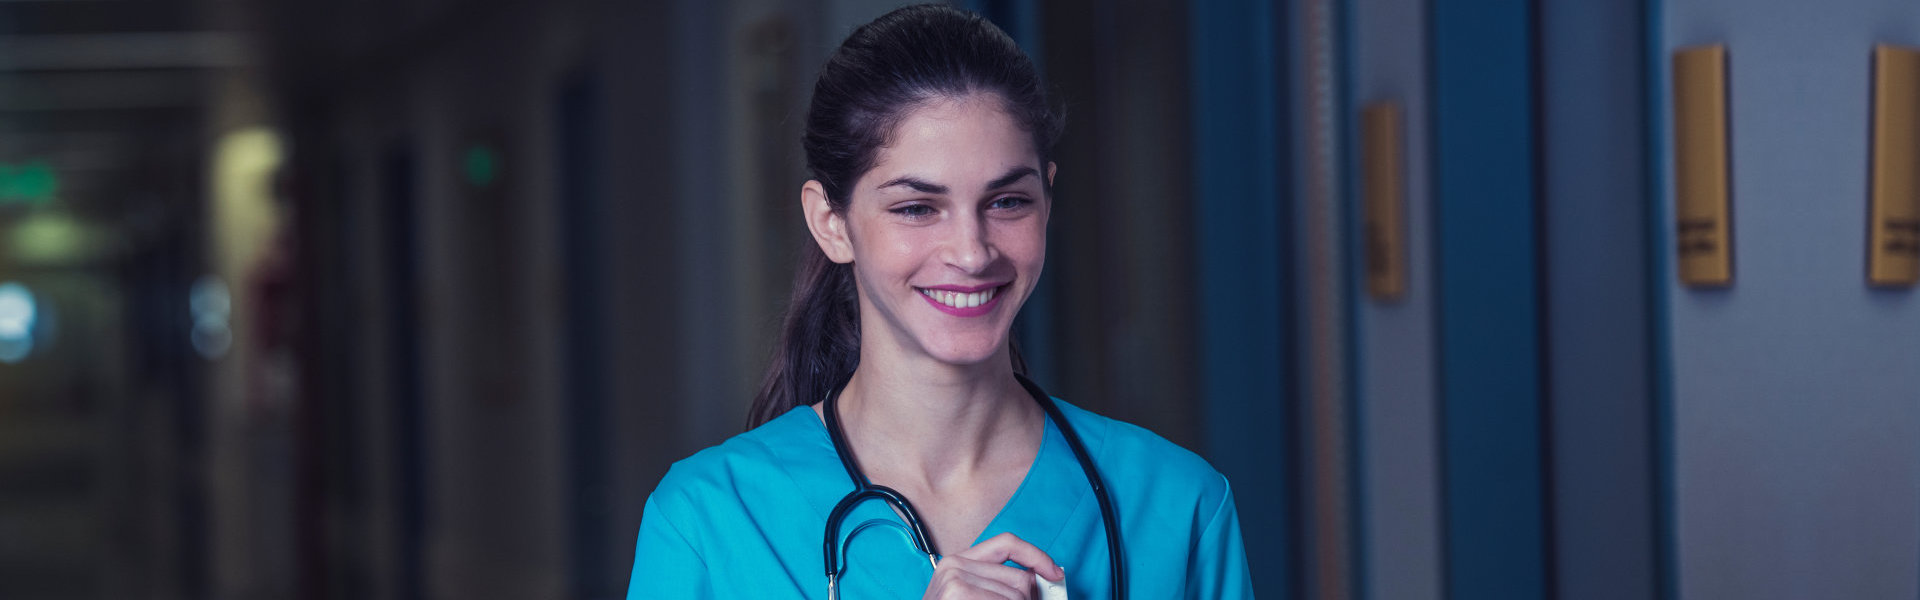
(938, 422)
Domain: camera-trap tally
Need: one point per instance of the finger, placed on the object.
(959, 583)
(982, 586)
(1007, 546)
(1012, 577)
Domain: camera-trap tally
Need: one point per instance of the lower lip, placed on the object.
(983, 308)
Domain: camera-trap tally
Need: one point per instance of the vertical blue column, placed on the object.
(1491, 400)
(1653, 54)
(578, 123)
(400, 196)
(1239, 162)
(1598, 351)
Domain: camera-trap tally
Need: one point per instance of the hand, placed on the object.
(977, 572)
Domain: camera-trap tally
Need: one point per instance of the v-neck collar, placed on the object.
(1051, 491)
(1038, 510)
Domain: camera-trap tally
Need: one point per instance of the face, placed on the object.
(946, 234)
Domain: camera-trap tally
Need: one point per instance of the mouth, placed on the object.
(964, 302)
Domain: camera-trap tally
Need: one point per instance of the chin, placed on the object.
(969, 354)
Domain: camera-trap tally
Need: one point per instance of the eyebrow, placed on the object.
(1016, 174)
(919, 185)
(927, 187)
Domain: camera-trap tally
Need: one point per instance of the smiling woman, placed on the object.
(929, 142)
(955, 213)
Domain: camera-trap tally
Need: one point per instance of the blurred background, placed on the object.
(416, 299)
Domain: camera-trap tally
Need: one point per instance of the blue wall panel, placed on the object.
(1593, 115)
(1483, 119)
(1239, 163)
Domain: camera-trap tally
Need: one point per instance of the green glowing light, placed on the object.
(36, 180)
(483, 166)
(33, 183)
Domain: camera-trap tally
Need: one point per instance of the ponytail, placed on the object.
(819, 339)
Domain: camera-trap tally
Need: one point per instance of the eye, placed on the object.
(1007, 203)
(913, 211)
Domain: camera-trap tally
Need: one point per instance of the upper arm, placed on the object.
(1218, 565)
(666, 563)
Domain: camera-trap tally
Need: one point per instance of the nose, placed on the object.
(969, 250)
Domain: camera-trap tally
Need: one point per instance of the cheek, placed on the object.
(906, 246)
(1025, 242)
(889, 249)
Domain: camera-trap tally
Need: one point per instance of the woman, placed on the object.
(928, 141)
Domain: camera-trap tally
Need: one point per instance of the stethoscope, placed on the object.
(864, 489)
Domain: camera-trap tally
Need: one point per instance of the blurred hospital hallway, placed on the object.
(418, 299)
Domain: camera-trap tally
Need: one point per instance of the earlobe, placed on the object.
(829, 228)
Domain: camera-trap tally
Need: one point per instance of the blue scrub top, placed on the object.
(746, 519)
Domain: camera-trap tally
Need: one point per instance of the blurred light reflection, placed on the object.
(18, 311)
(212, 306)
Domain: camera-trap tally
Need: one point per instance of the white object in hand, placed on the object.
(1050, 590)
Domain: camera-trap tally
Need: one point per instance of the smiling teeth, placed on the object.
(959, 300)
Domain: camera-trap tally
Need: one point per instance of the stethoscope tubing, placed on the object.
(865, 489)
(1116, 551)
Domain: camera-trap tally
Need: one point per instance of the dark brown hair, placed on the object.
(883, 71)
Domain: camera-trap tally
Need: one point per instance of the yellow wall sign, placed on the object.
(1893, 221)
(1385, 235)
(1704, 237)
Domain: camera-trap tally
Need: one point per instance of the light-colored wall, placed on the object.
(1793, 413)
(1398, 506)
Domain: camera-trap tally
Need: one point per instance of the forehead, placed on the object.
(955, 141)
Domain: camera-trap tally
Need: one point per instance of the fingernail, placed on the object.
(1059, 572)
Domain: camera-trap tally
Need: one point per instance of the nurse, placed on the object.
(929, 141)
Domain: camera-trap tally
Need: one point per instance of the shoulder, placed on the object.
(731, 469)
(1132, 456)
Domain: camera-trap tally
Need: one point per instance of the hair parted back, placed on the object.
(881, 73)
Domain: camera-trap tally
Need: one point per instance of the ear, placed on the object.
(829, 228)
(1052, 168)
